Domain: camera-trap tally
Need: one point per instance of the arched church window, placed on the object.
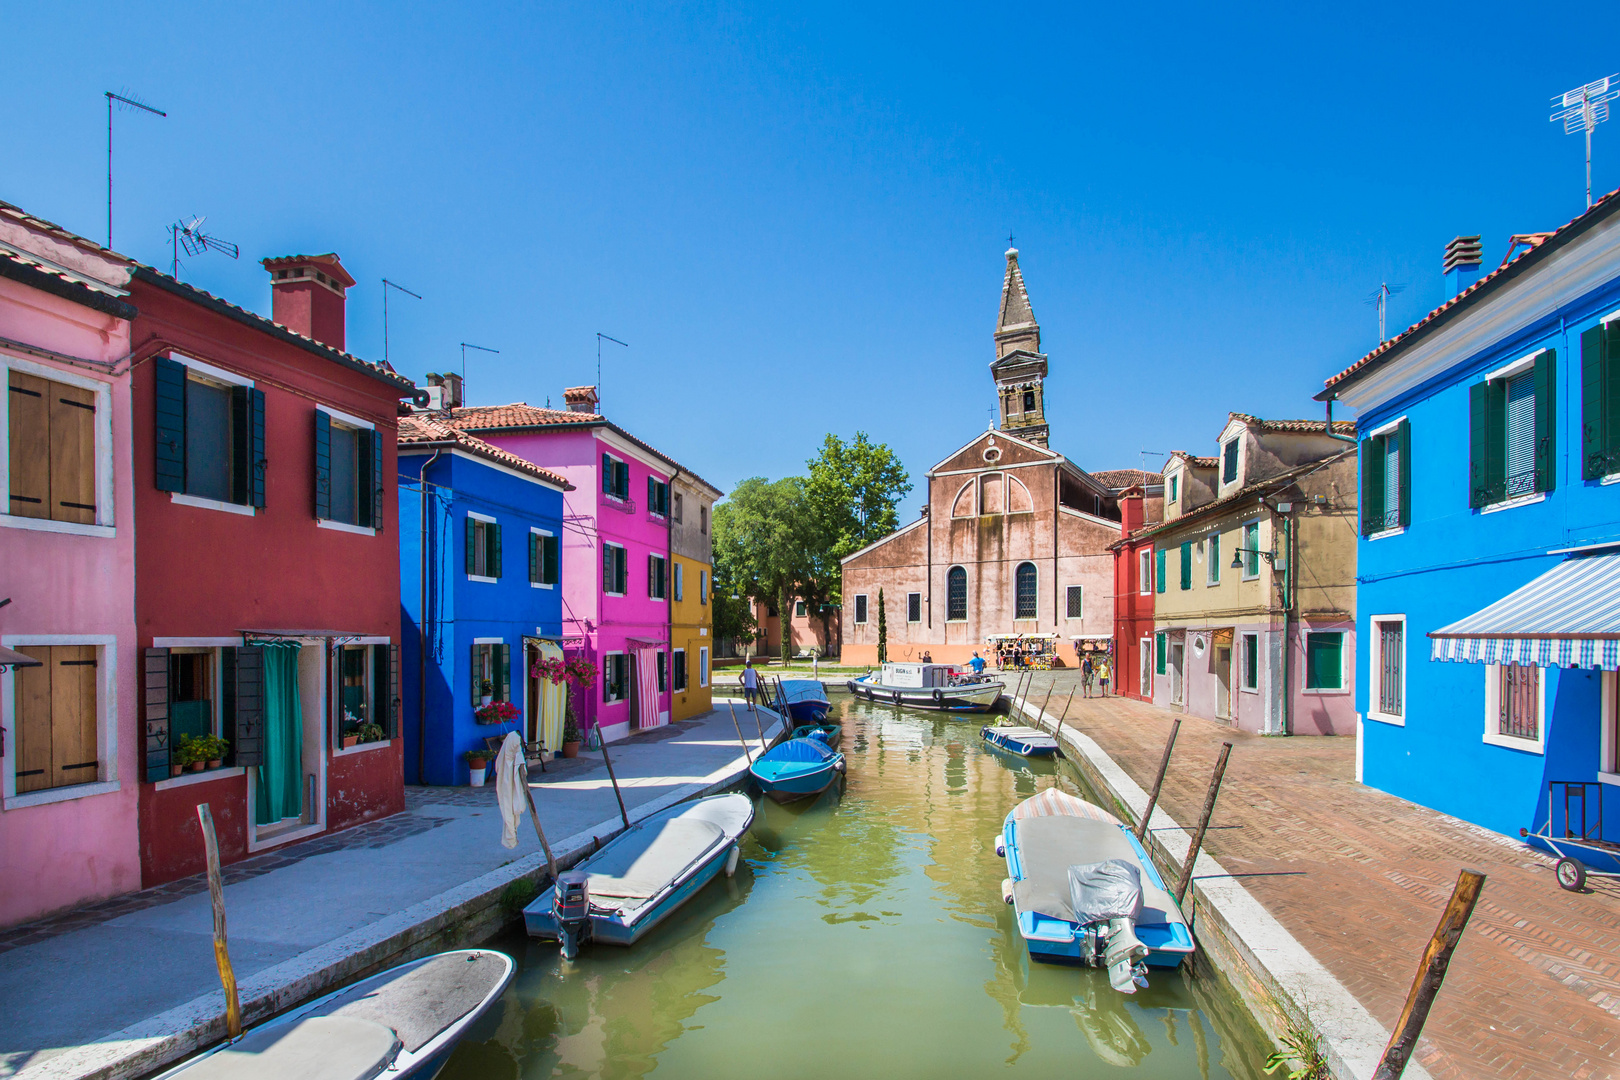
(1027, 584)
(956, 593)
(1029, 401)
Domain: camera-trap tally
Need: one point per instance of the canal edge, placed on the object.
(1264, 963)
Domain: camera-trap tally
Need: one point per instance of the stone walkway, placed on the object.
(1359, 878)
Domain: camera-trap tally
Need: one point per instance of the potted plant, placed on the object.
(349, 733)
(370, 733)
(211, 749)
(486, 692)
(476, 761)
(181, 756)
(496, 712)
(571, 736)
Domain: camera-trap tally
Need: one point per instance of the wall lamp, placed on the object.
(1238, 553)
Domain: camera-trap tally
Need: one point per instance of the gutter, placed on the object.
(669, 593)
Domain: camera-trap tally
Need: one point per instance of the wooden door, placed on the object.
(1223, 682)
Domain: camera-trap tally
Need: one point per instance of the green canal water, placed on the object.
(863, 936)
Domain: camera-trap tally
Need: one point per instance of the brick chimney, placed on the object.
(307, 295)
(1463, 257)
(581, 399)
(1131, 514)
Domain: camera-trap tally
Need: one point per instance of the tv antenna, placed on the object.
(390, 285)
(1380, 299)
(189, 235)
(465, 345)
(1146, 453)
(133, 104)
(1583, 109)
(601, 337)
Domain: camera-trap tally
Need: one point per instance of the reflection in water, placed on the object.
(863, 935)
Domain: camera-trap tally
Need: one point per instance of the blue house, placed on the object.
(1488, 576)
(480, 592)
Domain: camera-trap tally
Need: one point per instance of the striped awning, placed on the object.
(1567, 617)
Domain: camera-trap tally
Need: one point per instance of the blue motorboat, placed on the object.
(831, 734)
(805, 700)
(1023, 741)
(1086, 893)
(797, 769)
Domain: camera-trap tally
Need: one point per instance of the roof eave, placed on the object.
(82, 295)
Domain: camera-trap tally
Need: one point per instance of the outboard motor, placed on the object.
(1107, 900)
(571, 907)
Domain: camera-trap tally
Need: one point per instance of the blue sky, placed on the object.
(796, 215)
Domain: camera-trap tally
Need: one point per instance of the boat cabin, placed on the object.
(921, 676)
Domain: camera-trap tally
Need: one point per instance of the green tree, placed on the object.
(852, 491)
(764, 542)
(883, 630)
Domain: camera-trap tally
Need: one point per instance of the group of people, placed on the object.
(1094, 674)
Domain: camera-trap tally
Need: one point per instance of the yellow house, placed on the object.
(691, 628)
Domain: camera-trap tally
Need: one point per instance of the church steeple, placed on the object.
(1019, 368)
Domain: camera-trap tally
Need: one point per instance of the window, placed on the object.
(1386, 480)
(1175, 486)
(1324, 660)
(615, 677)
(914, 607)
(1075, 601)
(703, 520)
(1511, 434)
(368, 696)
(1026, 585)
(679, 665)
(1389, 669)
(678, 502)
(191, 693)
(1518, 701)
(663, 671)
(657, 497)
(1212, 560)
(657, 567)
(703, 586)
(210, 435)
(55, 718)
(860, 607)
(680, 582)
(616, 478)
(483, 547)
(348, 471)
(1029, 401)
(1186, 565)
(703, 665)
(1159, 555)
(955, 594)
(491, 670)
(1229, 456)
(53, 449)
(1251, 556)
(1600, 402)
(1158, 653)
(798, 609)
(614, 569)
(1144, 572)
(1251, 661)
(544, 557)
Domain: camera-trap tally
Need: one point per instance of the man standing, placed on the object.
(1102, 676)
(977, 664)
(1087, 671)
(750, 681)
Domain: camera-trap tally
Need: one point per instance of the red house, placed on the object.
(1133, 593)
(267, 569)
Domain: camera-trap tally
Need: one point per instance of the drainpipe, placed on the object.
(1330, 434)
(421, 630)
(930, 566)
(1286, 549)
(669, 593)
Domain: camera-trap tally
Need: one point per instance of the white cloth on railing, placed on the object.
(511, 774)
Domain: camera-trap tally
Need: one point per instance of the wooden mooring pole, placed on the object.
(1058, 734)
(1431, 973)
(1044, 704)
(738, 725)
(1158, 783)
(216, 894)
(1203, 823)
(609, 763)
(522, 767)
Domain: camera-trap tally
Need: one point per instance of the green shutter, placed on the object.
(376, 480)
(1158, 569)
(652, 576)
(170, 431)
(472, 545)
(607, 568)
(1213, 554)
(1403, 469)
(323, 465)
(1158, 652)
(256, 459)
(503, 663)
(156, 718)
(1611, 402)
(1372, 486)
(1186, 565)
(550, 559)
(1487, 443)
(652, 495)
(534, 558)
(1594, 415)
(477, 688)
(248, 711)
(492, 530)
(1547, 420)
(607, 475)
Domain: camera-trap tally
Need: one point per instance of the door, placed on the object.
(1146, 657)
(632, 689)
(546, 699)
(1178, 657)
(1222, 667)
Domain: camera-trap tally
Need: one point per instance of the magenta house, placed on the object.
(69, 745)
(616, 553)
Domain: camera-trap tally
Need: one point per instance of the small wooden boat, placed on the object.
(797, 769)
(1086, 892)
(929, 686)
(805, 700)
(831, 734)
(402, 1023)
(640, 876)
(1023, 741)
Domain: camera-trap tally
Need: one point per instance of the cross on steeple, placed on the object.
(1010, 240)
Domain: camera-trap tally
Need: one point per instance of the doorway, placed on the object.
(544, 700)
(1145, 655)
(1221, 665)
(1178, 663)
(633, 688)
(287, 794)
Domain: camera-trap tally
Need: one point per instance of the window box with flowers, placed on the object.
(496, 712)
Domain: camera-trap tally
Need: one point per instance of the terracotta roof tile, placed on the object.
(425, 430)
(1120, 479)
(1344, 427)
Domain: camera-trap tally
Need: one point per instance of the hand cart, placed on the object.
(1579, 844)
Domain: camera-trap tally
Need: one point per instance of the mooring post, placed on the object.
(1164, 764)
(1058, 734)
(1203, 823)
(736, 723)
(216, 894)
(1045, 703)
(522, 767)
(1431, 973)
(609, 763)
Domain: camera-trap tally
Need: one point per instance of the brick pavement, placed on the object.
(1359, 878)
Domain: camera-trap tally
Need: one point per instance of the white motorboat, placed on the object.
(945, 687)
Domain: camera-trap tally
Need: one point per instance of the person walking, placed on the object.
(1088, 672)
(1102, 676)
(750, 683)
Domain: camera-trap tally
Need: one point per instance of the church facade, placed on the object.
(1014, 539)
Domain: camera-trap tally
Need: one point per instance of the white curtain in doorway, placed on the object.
(647, 687)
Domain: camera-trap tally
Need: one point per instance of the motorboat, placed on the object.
(619, 894)
(1023, 741)
(797, 769)
(945, 687)
(831, 734)
(402, 1024)
(805, 700)
(1086, 893)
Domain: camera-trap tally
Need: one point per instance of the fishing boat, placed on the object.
(945, 687)
(618, 895)
(831, 734)
(805, 700)
(1023, 741)
(1086, 893)
(402, 1023)
(797, 769)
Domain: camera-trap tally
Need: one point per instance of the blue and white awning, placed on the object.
(1567, 617)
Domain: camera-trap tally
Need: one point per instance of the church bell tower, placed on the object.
(1019, 368)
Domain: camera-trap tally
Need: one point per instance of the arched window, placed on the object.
(1026, 591)
(956, 593)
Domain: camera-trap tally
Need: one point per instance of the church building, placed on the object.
(1014, 539)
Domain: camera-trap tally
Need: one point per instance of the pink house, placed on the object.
(616, 549)
(69, 744)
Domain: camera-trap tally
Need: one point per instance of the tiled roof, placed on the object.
(17, 213)
(1120, 479)
(1259, 487)
(68, 285)
(1539, 250)
(1343, 427)
(1195, 461)
(426, 430)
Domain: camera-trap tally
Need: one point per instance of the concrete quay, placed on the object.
(124, 987)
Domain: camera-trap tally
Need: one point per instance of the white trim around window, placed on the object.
(105, 510)
(106, 722)
(536, 531)
(343, 526)
(1517, 367)
(1144, 572)
(218, 374)
(703, 665)
(1346, 676)
(182, 499)
(1493, 692)
(1375, 668)
(346, 419)
(1249, 645)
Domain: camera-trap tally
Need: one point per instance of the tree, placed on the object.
(852, 492)
(883, 630)
(764, 542)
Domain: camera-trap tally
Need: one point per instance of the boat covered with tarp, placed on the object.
(797, 769)
(805, 700)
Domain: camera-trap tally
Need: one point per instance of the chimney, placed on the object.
(307, 296)
(1463, 256)
(581, 399)
(1130, 509)
(443, 392)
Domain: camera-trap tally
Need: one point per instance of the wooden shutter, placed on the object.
(472, 544)
(622, 478)
(1611, 401)
(156, 745)
(1158, 569)
(393, 691)
(477, 676)
(32, 753)
(1186, 564)
(247, 723)
(534, 558)
(256, 458)
(323, 465)
(1479, 480)
(376, 480)
(652, 576)
(492, 534)
(170, 425)
(550, 550)
(73, 453)
(607, 568)
(1547, 420)
(607, 475)
(30, 457)
(1594, 416)
(621, 577)
(1403, 469)
(1158, 653)
(652, 495)
(385, 687)
(74, 757)
(1372, 485)
(503, 681)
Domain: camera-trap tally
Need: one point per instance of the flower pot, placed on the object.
(477, 773)
(571, 749)
(486, 699)
(216, 763)
(176, 770)
(350, 740)
(197, 766)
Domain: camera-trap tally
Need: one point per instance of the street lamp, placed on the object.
(1238, 553)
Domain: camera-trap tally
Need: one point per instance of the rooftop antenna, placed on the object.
(1145, 453)
(133, 104)
(1380, 299)
(465, 345)
(600, 337)
(386, 286)
(189, 235)
(1583, 109)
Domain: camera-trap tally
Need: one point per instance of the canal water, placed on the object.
(862, 936)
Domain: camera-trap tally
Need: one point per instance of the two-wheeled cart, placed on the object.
(1582, 851)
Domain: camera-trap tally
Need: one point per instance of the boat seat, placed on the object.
(423, 1001)
(314, 1048)
(1048, 846)
(640, 863)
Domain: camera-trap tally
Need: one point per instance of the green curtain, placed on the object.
(280, 792)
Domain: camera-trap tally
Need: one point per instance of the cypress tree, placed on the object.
(883, 631)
